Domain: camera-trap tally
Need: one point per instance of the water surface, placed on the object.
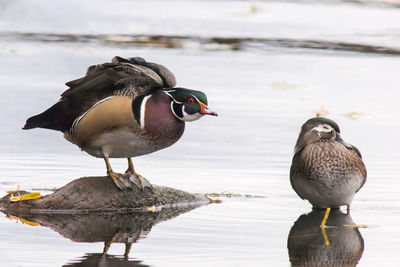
(266, 68)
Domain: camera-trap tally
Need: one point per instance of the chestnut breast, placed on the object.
(158, 122)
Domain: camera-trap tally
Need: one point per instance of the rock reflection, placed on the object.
(308, 247)
(98, 259)
(108, 228)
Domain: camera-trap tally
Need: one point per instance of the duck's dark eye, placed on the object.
(190, 100)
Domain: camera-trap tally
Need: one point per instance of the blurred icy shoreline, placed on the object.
(123, 21)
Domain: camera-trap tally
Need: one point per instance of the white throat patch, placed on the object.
(190, 117)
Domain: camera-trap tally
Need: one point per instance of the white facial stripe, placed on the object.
(190, 117)
(173, 111)
(168, 94)
(196, 98)
(143, 110)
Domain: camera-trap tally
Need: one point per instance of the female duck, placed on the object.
(325, 169)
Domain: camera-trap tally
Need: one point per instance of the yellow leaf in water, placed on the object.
(321, 112)
(33, 195)
(285, 86)
(29, 222)
(213, 199)
(15, 198)
(357, 115)
(12, 217)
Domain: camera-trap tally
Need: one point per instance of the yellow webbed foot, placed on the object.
(120, 180)
(139, 180)
(323, 223)
(126, 180)
(136, 178)
(323, 226)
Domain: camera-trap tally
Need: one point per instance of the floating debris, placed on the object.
(321, 112)
(355, 115)
(213, 199)
(28, 196)
(153, 209)
(230, 195)
(24, 221)
(356, 225)
(283, 86)
(25, 195)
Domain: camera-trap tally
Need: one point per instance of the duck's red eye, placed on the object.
(190, 100)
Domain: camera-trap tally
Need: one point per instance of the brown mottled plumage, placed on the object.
(326, 170)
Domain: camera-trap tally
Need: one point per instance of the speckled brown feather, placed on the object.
(326, 170)
(329, 161)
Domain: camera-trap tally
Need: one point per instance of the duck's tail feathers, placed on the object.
(47, 119)
(36, 122)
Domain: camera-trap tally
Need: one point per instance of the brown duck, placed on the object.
(326, 170)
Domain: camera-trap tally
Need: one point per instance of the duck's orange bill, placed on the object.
(205, 110)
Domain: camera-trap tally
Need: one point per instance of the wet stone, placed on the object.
(99, 195)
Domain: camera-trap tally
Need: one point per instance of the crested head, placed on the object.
(187, 104)
(319, 121)
(317, 129)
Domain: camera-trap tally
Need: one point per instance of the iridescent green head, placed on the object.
(188, 105)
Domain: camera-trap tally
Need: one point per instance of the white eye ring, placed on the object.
(324, 128)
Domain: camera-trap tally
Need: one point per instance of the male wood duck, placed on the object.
(326, 170)
(123, 109)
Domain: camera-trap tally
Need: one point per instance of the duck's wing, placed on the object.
(131, 77)
(357, 159)
(347, 145)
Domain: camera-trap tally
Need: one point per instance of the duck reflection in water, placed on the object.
(338, 245)
(107, 228)
(101, 260)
